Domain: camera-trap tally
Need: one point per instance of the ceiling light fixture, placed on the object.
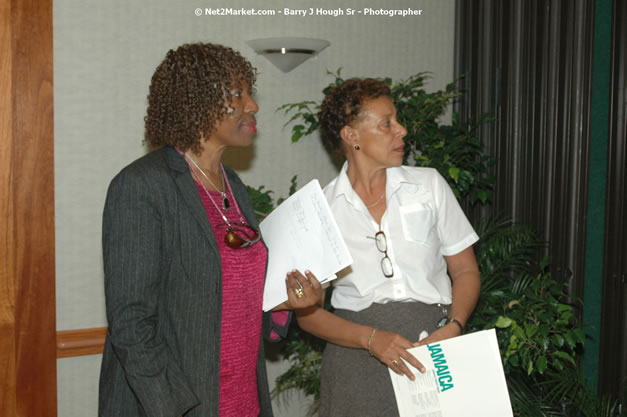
(288, 53)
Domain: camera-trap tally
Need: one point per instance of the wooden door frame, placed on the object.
(28, 380)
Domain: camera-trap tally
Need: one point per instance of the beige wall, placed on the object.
(104, 55)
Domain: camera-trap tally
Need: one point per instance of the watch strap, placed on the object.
(457, 322)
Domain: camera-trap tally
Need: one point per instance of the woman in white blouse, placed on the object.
(414, 270)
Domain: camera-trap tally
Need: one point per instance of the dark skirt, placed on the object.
(353, 383)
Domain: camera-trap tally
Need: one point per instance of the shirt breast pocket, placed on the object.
(418, 223)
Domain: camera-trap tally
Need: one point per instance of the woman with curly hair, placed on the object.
(183, 259)
(405, 230)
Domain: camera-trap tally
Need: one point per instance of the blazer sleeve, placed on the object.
(276, 325)
(134, 264)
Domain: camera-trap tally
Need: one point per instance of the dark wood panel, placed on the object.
(27, 315)
(7, 256)
(80, 342)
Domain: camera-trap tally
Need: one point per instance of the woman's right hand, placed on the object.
(391, 349)
(303, 291)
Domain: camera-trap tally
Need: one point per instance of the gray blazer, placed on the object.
(163, 294)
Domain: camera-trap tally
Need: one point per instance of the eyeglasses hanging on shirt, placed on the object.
(382, 246)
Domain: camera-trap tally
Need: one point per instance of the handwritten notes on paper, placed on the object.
(301, 234)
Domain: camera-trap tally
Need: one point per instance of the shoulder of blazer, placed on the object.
(154, 164)
(156, 176)
(158, 169)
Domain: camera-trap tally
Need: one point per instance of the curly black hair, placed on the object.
(342, 106)
(190, 92)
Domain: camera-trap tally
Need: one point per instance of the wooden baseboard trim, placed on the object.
(80, 342)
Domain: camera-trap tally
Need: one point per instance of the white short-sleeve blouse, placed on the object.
(423, 223)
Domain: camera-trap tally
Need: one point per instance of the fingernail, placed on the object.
(307, 271)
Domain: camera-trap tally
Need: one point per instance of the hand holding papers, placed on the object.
(464, 378)
(301, 234)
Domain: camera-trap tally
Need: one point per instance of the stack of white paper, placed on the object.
(464, 378)
(301, 234)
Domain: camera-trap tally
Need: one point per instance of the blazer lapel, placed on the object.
(188, 190)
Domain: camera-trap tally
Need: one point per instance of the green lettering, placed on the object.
(435, 349)
(442, 370)
(445, 379)
(445, 387)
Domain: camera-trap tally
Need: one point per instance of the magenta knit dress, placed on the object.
(243, 272)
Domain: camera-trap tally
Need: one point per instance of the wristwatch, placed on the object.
(446, 320)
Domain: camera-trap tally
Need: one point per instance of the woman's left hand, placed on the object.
(446, 332)
(302, 291)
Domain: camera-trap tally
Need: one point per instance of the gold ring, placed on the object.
(299, 292)
(395, 362)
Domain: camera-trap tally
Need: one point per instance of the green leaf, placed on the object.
(514, 361)
(503, 322)
(541, 364)
(558, 340)
(293, 185)
(530, 329)
(454, 173)
(563, 307)
(578, 335)
(566, 316)
(543, 330)
(518, 332)
(565, 356)
(296, 135)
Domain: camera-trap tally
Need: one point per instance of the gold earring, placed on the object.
(356, 147)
